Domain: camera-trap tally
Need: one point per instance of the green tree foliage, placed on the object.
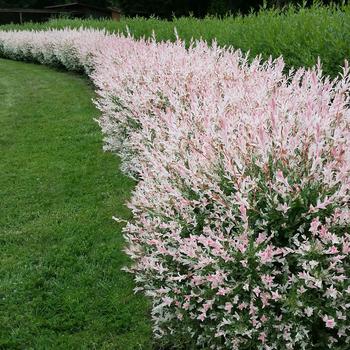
(167, 8)
(164, 8)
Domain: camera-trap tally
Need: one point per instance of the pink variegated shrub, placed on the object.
(241, 237)
(240, 234)
(71, 49)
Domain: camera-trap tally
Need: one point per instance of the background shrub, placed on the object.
(300, 35)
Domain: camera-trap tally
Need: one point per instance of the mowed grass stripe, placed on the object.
(61, 284)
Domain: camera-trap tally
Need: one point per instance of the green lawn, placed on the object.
(61, 285)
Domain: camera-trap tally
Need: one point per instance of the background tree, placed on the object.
(202, 7)
(167, 8)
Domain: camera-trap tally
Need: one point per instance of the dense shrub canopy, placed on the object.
(240, 234)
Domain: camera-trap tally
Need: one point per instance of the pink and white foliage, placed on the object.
(240, 234)
(72, 49)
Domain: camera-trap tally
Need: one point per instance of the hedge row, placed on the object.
(240, 235)
(301, 35)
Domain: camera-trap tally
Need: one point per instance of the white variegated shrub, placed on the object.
(240, 233)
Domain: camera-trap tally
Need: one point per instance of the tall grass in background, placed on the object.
(300, 34)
